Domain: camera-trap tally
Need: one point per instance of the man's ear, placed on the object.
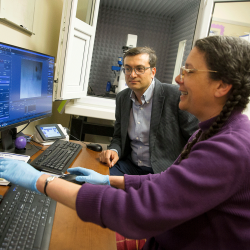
(153, 72)
(222, 89)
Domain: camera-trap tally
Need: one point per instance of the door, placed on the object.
(75, 47)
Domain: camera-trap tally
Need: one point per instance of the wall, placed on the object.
(236, 22)
(183, 28)
(231, 19)
(161, 32)
(47, 20)
(113, 26)
(236, 11)
(229, 29)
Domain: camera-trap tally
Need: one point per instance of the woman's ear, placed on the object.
(222, 89)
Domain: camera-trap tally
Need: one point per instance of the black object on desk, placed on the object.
(26, 219)
(57, 157)
(94, 147)
(71, 178)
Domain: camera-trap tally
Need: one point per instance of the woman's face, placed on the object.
(197, 89)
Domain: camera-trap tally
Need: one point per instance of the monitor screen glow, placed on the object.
(26, 86)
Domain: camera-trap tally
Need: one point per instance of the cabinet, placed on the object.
(75, 48)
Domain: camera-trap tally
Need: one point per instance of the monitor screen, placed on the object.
(26, 88)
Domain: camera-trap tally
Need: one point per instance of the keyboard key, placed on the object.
(26, 226)
(57, 157)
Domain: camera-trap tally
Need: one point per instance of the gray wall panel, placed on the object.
(183, 29)
(160, 31)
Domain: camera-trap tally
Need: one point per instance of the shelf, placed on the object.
(22, 28)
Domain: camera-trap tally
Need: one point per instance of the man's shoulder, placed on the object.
(124, 92)
(167, 88)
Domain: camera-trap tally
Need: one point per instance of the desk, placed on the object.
(71, 233)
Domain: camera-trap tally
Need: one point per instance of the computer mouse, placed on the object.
(71, 178)
(94, 147)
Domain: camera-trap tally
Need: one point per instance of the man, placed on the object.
(150, 130)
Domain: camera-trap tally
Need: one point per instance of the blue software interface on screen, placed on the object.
(50, 131)
(26, 85)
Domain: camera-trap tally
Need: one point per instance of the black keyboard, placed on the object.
(57, 157)
(26, 219)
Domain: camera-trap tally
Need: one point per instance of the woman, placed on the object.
(203, 200)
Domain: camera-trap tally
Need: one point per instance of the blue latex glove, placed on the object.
(89, 176)
(20, 173)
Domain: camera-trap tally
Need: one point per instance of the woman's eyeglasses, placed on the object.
(183, 70)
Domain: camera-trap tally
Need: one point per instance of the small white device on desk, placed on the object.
(46, 134)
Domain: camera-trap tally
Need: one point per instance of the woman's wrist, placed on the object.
(59, 190)
(117, 181)
(41, 182)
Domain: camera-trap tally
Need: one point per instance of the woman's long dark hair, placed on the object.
(230, 57)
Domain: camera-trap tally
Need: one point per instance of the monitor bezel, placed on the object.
(14, 125)
(35, 118)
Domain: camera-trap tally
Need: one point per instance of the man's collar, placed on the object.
(147, 95)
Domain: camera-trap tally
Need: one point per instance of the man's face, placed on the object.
(139, 83)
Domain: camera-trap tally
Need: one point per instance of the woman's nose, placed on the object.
(178, 79)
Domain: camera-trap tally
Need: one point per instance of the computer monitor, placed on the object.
(26, 88)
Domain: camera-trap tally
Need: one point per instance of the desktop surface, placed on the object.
(69, 232)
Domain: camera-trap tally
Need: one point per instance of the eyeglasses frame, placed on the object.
(145, 68)
(182, 69)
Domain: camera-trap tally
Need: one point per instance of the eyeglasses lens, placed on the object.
(138, 70)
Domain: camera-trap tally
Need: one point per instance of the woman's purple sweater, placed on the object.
(201, 203)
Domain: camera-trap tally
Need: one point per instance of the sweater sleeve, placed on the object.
(215, 170)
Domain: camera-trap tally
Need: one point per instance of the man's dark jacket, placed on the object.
(170, 127)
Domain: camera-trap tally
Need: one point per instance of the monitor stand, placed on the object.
(8, 144)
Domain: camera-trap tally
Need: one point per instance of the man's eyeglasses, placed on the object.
(139, 70)
(183, 69)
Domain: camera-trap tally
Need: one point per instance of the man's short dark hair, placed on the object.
(143, 50)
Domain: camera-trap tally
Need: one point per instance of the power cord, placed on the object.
(23, 128)
(92, 146)
(35, 146)
(75, 137)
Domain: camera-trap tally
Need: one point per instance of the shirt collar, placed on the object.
(147, 95)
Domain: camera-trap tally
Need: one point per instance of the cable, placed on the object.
(70, 119)
(35, 145)
(67, 131)
(23, 128)
(77, 139)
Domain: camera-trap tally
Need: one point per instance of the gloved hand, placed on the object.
(89, 176)
(20, 173)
